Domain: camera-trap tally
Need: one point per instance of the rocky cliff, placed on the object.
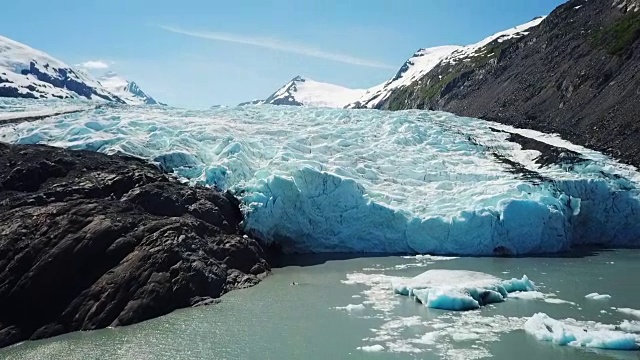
(577, 74)
(89, 241)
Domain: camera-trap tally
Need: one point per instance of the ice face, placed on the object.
(582, 334)
(459, 289)
(320, 180)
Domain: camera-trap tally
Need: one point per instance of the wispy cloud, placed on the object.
(94, 65)
(279, 45)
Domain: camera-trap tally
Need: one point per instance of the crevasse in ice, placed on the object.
(319, 180)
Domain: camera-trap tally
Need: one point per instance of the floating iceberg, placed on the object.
(582, 334)
(596, 296)
(459, 289)
(527, 295)
(629, 311)
(537, 295)
(372, 348)
(630, 326)
(337, 180)
(352, 307)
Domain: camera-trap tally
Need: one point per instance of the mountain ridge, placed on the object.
(417, 65)
(29, 73)
(575, 74)
(413, 69)
(127, 90)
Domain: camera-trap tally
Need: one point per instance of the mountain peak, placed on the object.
(420, 63)
(302, 91)
(127, 90)
(29, 73)
(426, 59)
(299, 78)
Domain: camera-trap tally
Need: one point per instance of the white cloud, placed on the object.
(94, 65)
(279, 45)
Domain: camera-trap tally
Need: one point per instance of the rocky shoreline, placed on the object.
(89, 241)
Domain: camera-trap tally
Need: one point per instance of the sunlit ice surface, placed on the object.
(335, 180)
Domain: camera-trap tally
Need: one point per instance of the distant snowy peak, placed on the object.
(125, 89)
(301, 91)
(414, 68)
(29, 73)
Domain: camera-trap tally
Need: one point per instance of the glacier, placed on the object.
(339, 180)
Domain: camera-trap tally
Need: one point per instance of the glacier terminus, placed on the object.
(340, 180)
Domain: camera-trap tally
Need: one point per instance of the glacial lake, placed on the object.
(277, 320)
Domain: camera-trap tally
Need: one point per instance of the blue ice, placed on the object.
(335, 180)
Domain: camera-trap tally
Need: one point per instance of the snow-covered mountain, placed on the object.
(301, 91)
(29, 73)
(414, 68)
(479, 48)
(424, 60)
(307, 92)
(125, 89)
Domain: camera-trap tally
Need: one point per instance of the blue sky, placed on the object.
(197, 53)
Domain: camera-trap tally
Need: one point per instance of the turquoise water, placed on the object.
(276, 320)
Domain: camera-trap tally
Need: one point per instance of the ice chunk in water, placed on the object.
(459, 289)
(632, 312)
(372, 348)
(596, 296)
(352, 307)
(580, 334)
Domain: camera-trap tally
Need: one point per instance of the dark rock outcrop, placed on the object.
(89, 241)
(12, 92)
(576, 74)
